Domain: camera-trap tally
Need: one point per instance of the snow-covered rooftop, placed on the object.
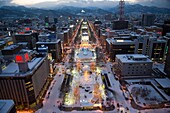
(13, 68)
(11, 47)
(44, 34)
(120, 41)
(133, 58)
(164, 82)
(5, 105)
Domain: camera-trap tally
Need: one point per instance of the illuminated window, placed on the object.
(132, 46)
(30, 89)
(27, 83)
(119, 40)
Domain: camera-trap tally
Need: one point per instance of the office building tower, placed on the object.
(148, 19)
(119, 46)
(24, 80)
(134, 64)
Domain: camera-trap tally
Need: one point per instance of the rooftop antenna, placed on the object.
(121, 9)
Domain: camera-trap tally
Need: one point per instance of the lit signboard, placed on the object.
(22, 58)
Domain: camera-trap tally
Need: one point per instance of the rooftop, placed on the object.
(133, 58)
(11, 47)
(13, 70)
(2, 43)
(48, 42)
(119, 41)
(44, 34)
(5, 105)
(23, 33)
(164, 82)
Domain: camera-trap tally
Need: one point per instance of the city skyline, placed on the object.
(90, 56)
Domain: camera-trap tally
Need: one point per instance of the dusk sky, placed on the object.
(158, 3)
(29, 2)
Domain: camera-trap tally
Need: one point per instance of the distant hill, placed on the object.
(77, 10)
(140, 9)
(21, 11)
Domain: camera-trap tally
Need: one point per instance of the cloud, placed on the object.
(7, 3)
(78, 3)
(4, 2)
(158, 3)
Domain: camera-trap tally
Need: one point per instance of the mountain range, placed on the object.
(21, 11)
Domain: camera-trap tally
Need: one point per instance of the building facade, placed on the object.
(148, 19)
(10, 51)
(117, 46)
(29, 38)
(24, 80)
(157, 49)
(54, 49)
(167, 63)
(134, 64)
(119, 24)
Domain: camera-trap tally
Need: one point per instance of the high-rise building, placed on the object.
(29, 38)
(148, 19)
(154, 47)
(24, 80)
(166, 27)
(10, 51)
(66, 37)
(134, 64)
(157, 49)
(119, 46)
(55, 20)
(54, 49)
(97, 25)
(167, 62)
(46, 19)
(120, 24)
(142, 44)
